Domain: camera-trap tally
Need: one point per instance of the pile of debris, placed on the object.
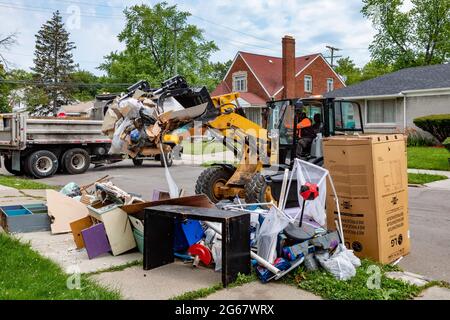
(138, 121)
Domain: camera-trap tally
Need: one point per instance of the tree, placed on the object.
(160, 43)
(373, 69)
(85, 85)
(53, 64)
(407, 39)
(347, 68)
(5, 43)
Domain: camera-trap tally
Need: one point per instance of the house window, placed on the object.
(381, 111)
(240, 82)
(308, 84)
(330, 84)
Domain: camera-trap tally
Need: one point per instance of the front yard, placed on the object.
(429, 158)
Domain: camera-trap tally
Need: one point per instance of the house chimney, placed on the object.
(288, 72)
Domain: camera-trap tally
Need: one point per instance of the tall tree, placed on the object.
(160, 43)
(86, 85)
(5, 43)
(347, 68)
(416, 37)
(53, 64)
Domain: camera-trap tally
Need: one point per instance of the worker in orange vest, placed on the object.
(306, 135)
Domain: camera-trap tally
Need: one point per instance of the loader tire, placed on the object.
(41, 164)
(210, 181)
(257, 190)
(138, 162)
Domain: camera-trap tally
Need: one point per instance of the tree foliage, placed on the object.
(85, 85)
(411, 38)
(150, 36)
(53, 64)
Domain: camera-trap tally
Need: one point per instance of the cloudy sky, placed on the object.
(251, 25)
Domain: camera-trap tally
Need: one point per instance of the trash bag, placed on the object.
(71, 190)
(341, 264)
(129, 108)
(274, 222)
(117, 144)
(216, 251)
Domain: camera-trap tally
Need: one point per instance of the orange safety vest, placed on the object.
(305, 123)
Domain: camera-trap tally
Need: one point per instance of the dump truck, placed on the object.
(40, 147)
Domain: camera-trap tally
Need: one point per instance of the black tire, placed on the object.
(257, 190)
(209, 180)
(169, 159)
(76, 161)
(138, 162)
(7, 162)
(41, 164)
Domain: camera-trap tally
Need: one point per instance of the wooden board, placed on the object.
(77, 226)
(63, 210)
(137, 209)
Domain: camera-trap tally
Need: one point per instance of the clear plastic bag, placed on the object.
(129, 108)
(274, 222)
(216, 251)
(71, 190)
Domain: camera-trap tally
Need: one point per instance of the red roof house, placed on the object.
(260, 78)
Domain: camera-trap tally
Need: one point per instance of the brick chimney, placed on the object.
(288, 72)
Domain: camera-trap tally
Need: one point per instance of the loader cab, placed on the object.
(328, 117)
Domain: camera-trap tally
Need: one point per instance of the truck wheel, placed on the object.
(42, 164)
(8, 166)
(169, 159)
(76, 161)
(210, 181)
(138, 162)
(257, 190)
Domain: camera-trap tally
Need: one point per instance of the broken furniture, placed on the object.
(24, 218)
(77, 227)
(117, 226)
(159, 233)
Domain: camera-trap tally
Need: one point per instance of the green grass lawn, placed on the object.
(428, 158)
(25, 275)
(24, 183)
(420, 178)
(369, 283)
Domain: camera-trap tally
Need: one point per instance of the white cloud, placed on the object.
(314, 24)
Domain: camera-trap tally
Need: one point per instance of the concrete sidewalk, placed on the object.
(441, 184)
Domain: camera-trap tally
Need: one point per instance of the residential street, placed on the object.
(429, 210)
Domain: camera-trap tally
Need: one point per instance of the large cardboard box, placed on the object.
(371, 180)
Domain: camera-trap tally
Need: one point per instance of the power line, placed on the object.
(74, 84)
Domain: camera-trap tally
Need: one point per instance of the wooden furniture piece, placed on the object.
(159, 237)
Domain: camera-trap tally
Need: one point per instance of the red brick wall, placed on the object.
(252, 83)
(320, 72)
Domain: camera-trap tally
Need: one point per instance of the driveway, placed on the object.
(429, 209)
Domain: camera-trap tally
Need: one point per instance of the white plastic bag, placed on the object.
(129, 108)
(274, 222)
(341, 264)
(117, 144)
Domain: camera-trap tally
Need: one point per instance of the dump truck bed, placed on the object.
(17, 130)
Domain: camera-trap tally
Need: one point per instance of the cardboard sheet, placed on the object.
(63, 210)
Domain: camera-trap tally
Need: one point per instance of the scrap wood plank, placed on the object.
(63, 210)
(79, 225)
(137, 209)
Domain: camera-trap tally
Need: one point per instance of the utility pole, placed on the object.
(333, 49)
